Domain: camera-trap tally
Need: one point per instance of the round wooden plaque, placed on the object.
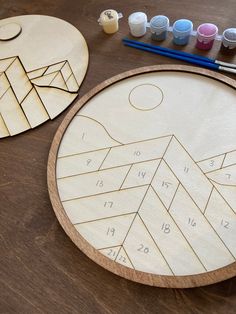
(43, 61)
(142, 176)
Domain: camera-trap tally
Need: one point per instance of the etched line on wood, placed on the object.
(155, 244)
(127, 256)
(201, 212)
(94, 120)
(104, 158)
(180, 228)
(208, 200)
(103, 218)
(101, 193)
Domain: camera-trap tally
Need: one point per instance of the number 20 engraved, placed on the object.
(143, 248)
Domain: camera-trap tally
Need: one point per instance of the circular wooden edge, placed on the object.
(123, 271)
(80, 82)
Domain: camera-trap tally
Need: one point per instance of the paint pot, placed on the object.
(137, 24)
(109, 19)
(159, 26)
(229, 40)
(181, 31)
(206, 34)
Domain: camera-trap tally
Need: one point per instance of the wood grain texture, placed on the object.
(41, 69)
(41, 270)
(59, 189)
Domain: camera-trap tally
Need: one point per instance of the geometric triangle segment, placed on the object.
(165, 184)
(105, 205)
(3, 129)
(230, 158)
(4, 84)
(111, 252)
(66, 71)
(211, 164)
(54, 100)
(137, 152)
(168, 237)
(4, 63)
(84, 135)
(225, 176)
(123, 259)
(19, 80)
(143, 252)
(55, 67)
(188, 173)
(34, 109)
(198, 231)
(141, 173)
(106, 232)
(59, 82)
(72, 84)
(12, 114)
(223, 220)
(44, 80)
(36, 73)
(228, 193)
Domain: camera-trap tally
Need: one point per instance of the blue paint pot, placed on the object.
(181, 31)
(159, 26)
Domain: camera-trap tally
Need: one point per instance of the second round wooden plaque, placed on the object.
(142, 176)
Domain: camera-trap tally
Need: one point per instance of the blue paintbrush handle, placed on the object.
(167, 50)
(199, 62)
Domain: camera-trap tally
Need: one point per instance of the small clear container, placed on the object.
(159, 26)
(206, 34)
(182, 30)
(138, 24)
(229, 39)
(109, 20)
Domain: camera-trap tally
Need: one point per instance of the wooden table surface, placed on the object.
(41, 270)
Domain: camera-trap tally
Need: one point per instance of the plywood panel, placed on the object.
(154, 164)
(47, 52)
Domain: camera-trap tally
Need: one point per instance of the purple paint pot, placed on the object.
(206, 34)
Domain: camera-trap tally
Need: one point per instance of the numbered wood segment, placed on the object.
(142, 176)
(43, 61)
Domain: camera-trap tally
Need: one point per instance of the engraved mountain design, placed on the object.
(140, 203)
(29, 99)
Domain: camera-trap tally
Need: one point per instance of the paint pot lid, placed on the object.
(183, 25)
(207, 30)
(108, 16)
(230, 35)
(137, 18)
(159, 21)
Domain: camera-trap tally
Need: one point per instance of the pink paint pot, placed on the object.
(206, 34)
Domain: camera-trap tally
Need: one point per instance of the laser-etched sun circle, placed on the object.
(146, 97)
